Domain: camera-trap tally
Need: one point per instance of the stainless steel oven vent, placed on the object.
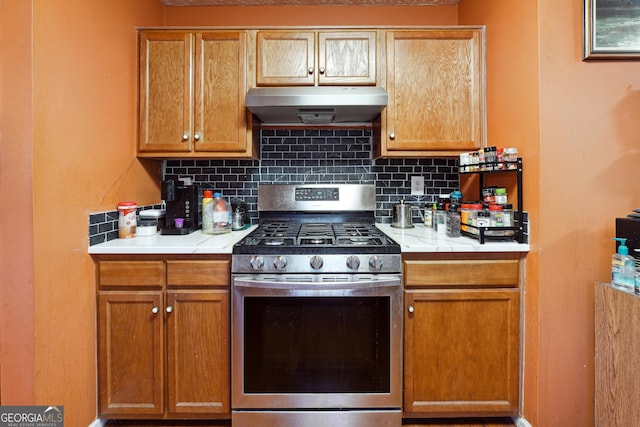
(316, 105)
(317, 117)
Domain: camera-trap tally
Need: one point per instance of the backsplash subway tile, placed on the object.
(305, 156)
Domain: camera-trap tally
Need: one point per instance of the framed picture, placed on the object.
(611, 29)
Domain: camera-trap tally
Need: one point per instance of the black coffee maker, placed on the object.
(183, 215)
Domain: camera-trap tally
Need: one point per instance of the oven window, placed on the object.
(317, 344)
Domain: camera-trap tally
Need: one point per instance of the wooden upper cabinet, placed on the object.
(220, 114)
(435, 80)
(166, 95)
(308, 58)
(191, 95)
(285, 58)
(347, 58)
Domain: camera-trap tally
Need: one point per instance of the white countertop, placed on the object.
(194, 243)
(423, 239)
(417, 239)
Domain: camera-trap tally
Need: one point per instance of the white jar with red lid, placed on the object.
(127, 220)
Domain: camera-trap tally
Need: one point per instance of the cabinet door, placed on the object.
(347, 57)
(285, 58)
(435, 81)
(130, 353)
(198, 347)
(166, 94)
(220, 117)
(461, 352)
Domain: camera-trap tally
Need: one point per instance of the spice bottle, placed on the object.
(453, 221)
(500, 196)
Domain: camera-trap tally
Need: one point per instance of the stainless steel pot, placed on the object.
(402, 215)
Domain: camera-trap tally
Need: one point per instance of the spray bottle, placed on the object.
(623, 267)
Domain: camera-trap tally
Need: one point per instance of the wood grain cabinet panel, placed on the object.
(458, 273)
(435, 81)
(164, 354)
(198, 343)
(461, 335)
(461, 350)
(617, 356)
(166, 94)
(131, 353)
(131, 273)
(192, 88)
(308, 58)
(285, 58)
(198, 273)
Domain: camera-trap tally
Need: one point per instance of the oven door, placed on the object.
(316, 341)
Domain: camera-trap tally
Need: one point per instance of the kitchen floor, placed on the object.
(483, 422)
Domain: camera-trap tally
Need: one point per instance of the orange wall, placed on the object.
(312, 15)
(84, 109)
(513, 119)
(574, 122)
(589, 152)
(16, 243)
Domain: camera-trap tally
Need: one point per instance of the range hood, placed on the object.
(316, 105)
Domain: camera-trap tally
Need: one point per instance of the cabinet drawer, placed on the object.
(131, 273)
(452, 273)
(198, 273)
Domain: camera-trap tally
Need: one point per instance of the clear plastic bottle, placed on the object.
(221, 215)
(440, 219)
(207, 212)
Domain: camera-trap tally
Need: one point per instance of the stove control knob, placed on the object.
(316, 262)
(375, 262)
(280, 262)
(256, 262)
(353, 262)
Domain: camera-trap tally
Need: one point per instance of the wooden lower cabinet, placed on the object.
(198, 346)
(462, 337)
(130, 353)
(163, 353)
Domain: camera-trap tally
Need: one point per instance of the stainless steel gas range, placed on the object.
(316, 312)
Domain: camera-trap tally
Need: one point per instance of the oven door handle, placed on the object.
(319, 283)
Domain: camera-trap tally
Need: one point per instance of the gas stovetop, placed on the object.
(288, 237)
(316, 228)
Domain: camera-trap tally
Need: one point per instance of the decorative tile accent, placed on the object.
(306, 156)
(311, 156)
(103, 226)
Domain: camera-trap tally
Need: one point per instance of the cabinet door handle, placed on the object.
(185, 137)
(169, 308)
(392, 135)
(155, 310)
(410, 309)
(196, 137)
(321, 70)
(311, 70)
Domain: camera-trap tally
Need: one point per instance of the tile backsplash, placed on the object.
(310, 156)
(304, 156)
